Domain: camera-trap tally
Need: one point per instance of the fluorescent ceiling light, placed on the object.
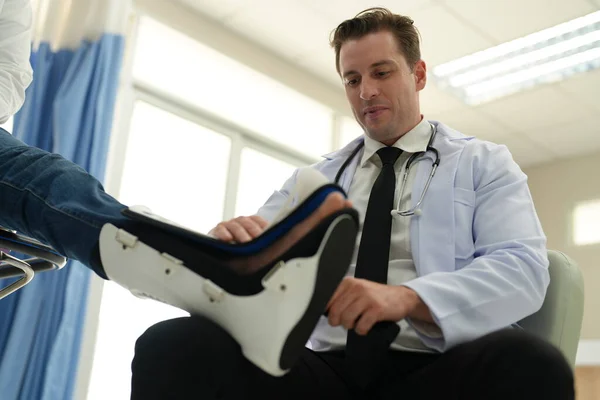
(547, 56)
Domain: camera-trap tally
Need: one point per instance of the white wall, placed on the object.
(556, 189)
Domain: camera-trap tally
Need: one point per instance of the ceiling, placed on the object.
(541, 125)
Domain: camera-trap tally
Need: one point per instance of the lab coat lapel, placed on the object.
(432, 233)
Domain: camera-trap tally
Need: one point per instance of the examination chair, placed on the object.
(560, 318)
(39, 258)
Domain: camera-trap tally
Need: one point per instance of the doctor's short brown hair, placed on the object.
(378, 19)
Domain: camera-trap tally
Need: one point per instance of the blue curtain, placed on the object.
(68, 110)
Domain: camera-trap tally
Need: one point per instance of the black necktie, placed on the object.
(365, 353)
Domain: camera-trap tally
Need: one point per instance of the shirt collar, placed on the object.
(411, 142)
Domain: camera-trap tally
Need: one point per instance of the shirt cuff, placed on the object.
(427, 329)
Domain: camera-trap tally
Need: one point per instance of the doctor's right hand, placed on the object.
(240, 229)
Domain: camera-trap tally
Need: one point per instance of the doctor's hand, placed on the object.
(359, 304)
(240, 229)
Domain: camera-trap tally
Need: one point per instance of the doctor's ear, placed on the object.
(420, 73)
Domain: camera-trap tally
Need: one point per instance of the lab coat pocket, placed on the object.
(464, 208)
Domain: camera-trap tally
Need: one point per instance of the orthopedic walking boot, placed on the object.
(267, 293)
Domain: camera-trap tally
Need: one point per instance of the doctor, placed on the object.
(465, 263)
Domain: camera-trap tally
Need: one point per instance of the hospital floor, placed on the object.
(587, 383)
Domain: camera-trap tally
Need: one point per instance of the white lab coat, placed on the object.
(15, 47)
(478, 247)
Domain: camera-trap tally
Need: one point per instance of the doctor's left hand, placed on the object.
(358, 304)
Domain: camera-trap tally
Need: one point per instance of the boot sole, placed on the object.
(333, 265)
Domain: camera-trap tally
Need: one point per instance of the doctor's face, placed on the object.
(382, 89)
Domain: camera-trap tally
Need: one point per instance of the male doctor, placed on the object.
(456, 274)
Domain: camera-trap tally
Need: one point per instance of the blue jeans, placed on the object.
(48, 198)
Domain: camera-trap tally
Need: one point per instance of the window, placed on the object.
(178, 166)
(123, 318)
(260, 175)
(350, 130)
(179, 170)
(199, 75)
(586, 223)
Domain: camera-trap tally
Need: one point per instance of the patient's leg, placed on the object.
(53, 200)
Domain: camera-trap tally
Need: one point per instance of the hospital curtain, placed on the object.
(77, 49)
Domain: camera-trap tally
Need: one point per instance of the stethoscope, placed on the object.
(416, 209)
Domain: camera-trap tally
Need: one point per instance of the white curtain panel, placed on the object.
(66, 23)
